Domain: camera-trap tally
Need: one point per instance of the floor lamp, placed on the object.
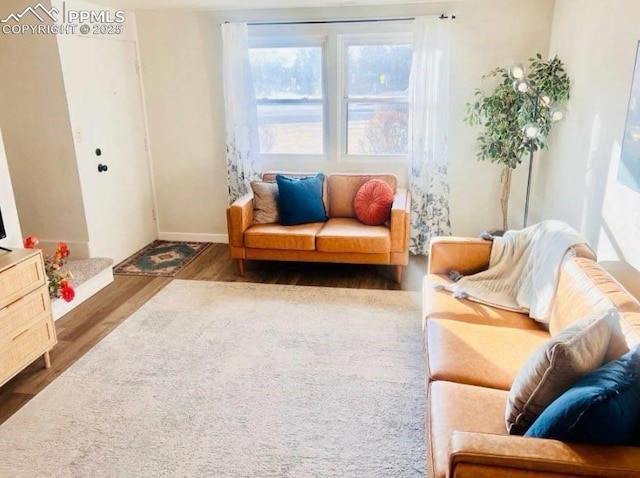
(543, 111)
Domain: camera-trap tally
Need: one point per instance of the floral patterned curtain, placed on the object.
(241, 119)
(428, 133)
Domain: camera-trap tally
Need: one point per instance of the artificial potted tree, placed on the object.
(517, 115)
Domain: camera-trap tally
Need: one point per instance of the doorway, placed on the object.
(102, 84)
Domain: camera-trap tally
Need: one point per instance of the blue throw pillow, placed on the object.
(602, 408)
(300, 199)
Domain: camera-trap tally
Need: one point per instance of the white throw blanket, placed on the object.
(523, 269)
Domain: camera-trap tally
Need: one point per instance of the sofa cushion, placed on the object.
(585, 287)
(301, 199)
(438, 303)
(480, 355)
(276, 236)
(459, 407)
(372, 202)
(343, 187)
(265, 202)
(600, 409)
(625, 274)
(555, 366)
(350, 235)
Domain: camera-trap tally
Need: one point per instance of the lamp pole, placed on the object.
(526, 202)
(535, 118)
(544, 107)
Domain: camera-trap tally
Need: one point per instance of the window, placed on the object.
(289, 96)
(376, 97)
(334, 91)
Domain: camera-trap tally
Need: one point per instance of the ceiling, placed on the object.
(248, 4)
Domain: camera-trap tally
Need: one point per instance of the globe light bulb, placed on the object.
(521, 86)
(557, 113)
(545, 100)
(531, 131)
(517, 72)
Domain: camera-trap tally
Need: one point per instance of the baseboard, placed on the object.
(194, 237)
(85, 290)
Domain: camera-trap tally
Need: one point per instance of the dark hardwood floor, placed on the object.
(91, 321)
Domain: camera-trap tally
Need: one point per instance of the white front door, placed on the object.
(107, 119)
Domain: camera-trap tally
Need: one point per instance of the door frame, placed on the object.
(131, 38)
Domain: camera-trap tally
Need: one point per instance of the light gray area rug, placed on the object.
(213, 379)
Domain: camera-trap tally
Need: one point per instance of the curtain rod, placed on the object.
(311, 22)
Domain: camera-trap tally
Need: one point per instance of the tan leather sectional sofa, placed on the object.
(473, 353)
(340, 239)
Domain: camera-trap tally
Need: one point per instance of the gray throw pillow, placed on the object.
(265, 202)
(555, 367)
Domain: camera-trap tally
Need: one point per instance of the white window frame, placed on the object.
(344, 42)
(334, 37)
(297, 41)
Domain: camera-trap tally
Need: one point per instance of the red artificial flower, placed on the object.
(57, 280)
(66, 291)
(31, 242)
(63, 250)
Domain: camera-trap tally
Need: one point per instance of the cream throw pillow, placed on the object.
(265, 202)
(555, 367)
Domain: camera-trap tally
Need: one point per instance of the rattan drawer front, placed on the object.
(26, 347)
(21, 279)
(22, 313)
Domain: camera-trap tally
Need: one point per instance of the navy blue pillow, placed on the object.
(300, 199)
(602, 408)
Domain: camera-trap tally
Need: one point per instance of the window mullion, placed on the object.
(377, 99)
(302, 101)
(342, 73)
(327, 102)
(333, 97)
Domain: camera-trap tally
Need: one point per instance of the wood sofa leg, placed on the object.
(399, 270)
(241, 267)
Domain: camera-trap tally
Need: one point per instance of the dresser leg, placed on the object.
(47, 360)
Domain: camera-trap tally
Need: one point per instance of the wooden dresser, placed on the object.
(26, 326)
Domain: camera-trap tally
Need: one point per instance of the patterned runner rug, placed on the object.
(161, 258)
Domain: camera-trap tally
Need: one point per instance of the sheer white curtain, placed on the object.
(428, 133)
(243, 151)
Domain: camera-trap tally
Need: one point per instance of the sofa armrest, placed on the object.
(239, 218)
(466, 255)
(481, 454)
(399, 223)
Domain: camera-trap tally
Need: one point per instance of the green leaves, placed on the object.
(503, 113)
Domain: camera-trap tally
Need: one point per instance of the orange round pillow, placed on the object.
(372, 202)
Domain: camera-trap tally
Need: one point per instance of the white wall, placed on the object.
(181, 61)
(8, 204)
(37, 135)
(598, 45)
(488, 34)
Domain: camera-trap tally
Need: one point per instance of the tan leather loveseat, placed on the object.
(473, 353)
(340, 239)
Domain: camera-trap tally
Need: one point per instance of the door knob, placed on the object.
(102, 168)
